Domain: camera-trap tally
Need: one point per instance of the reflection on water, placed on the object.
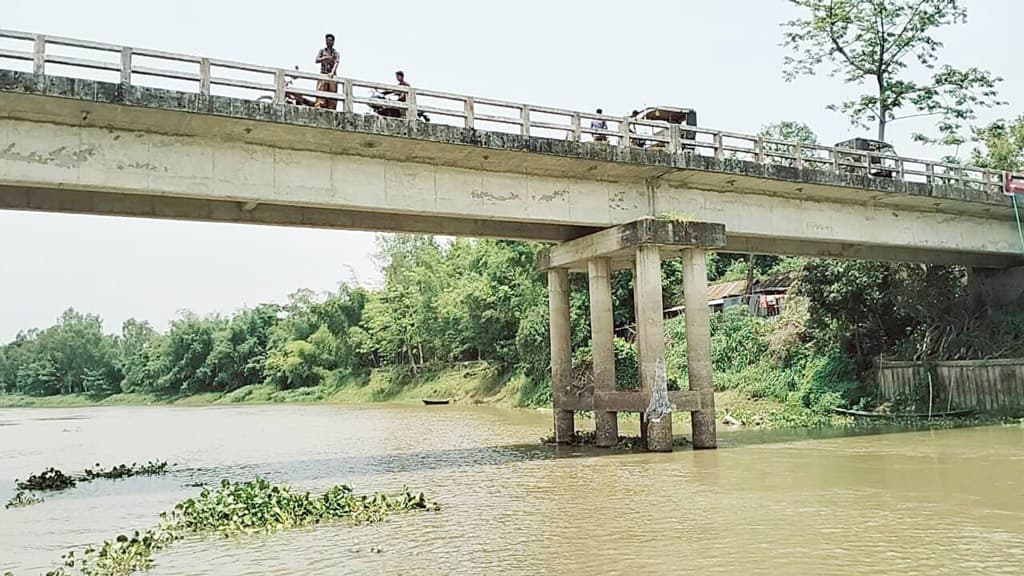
(794, 502)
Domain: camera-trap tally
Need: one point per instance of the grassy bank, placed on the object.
(476, 383)
(470, 383)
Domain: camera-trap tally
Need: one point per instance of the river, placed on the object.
(932, 502)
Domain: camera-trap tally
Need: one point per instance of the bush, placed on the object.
(825, 381)
(737, 339)
(762, 379)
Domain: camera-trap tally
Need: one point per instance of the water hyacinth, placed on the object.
(49, 479)
(259, 506)
(236, 508)
(22, 499)
(589, 438)
(152, 468)
(54, 480)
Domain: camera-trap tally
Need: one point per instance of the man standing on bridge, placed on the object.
(327, 58)
(400, 77)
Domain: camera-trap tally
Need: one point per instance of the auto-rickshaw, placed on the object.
(669, 114)
(875, 165)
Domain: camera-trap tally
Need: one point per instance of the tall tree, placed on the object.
(1002, 145)
(876, 41)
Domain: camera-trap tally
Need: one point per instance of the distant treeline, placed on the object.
(485, 300)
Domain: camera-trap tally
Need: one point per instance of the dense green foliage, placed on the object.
(1002, 145)
(442, 303)
(439, 303)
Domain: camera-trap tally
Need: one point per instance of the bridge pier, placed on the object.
(698, 345)
(561, 352)
(640, 245)
(602, 335)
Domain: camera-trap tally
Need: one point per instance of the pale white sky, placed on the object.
(721, 58)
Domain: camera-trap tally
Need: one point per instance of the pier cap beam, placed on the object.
(619, 243)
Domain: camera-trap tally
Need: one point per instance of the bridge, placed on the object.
(95, 128)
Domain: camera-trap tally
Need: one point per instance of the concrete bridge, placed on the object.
(95, 128)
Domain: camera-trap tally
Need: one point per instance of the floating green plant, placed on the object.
(22, 499)
(49, 479)
(236, 508)
(152, 468)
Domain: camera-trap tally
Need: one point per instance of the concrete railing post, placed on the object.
(561, 351)
(126, 66)
(759, 151)
(39, 55)
(602, 335)
(719, 152)
(470, 113)
(279, 86)
(410, 102)
(204, 77)
(346, 88)
(798, 151)
(698, 345)
(675, 137)
(524, 120)
(650, 346)
(577, 134)
(624, 132)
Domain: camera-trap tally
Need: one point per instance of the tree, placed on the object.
(186, 350)
(876, 41)
(135, 350)
(787, 131)
(1003, 145)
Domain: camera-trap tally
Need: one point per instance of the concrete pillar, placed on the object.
(602, 334)
(650, 345)
(698, 344)
(561, 351)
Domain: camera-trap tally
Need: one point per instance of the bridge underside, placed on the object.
(79, 201)
(231, 211)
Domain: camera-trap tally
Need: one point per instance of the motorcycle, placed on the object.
(386, 111)
(291, 97)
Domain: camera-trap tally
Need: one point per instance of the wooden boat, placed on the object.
(432, 401)
(862, 414)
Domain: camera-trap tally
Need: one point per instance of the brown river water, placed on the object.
(931, 502)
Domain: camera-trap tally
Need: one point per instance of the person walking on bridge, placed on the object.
(327, 58)
(599, 124)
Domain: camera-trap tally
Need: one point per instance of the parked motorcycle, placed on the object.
(386, 111)
(291, 97)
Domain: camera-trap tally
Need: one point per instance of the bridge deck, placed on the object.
(773, 197)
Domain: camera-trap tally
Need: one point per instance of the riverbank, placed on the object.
(467, 383)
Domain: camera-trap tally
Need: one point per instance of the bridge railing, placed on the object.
(207, 76)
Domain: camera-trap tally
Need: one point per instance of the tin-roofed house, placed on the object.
(766, 298)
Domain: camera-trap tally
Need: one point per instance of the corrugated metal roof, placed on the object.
(723, 290)
(727, 289)
(739, 287)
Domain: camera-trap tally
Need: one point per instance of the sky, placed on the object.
(721, 58)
